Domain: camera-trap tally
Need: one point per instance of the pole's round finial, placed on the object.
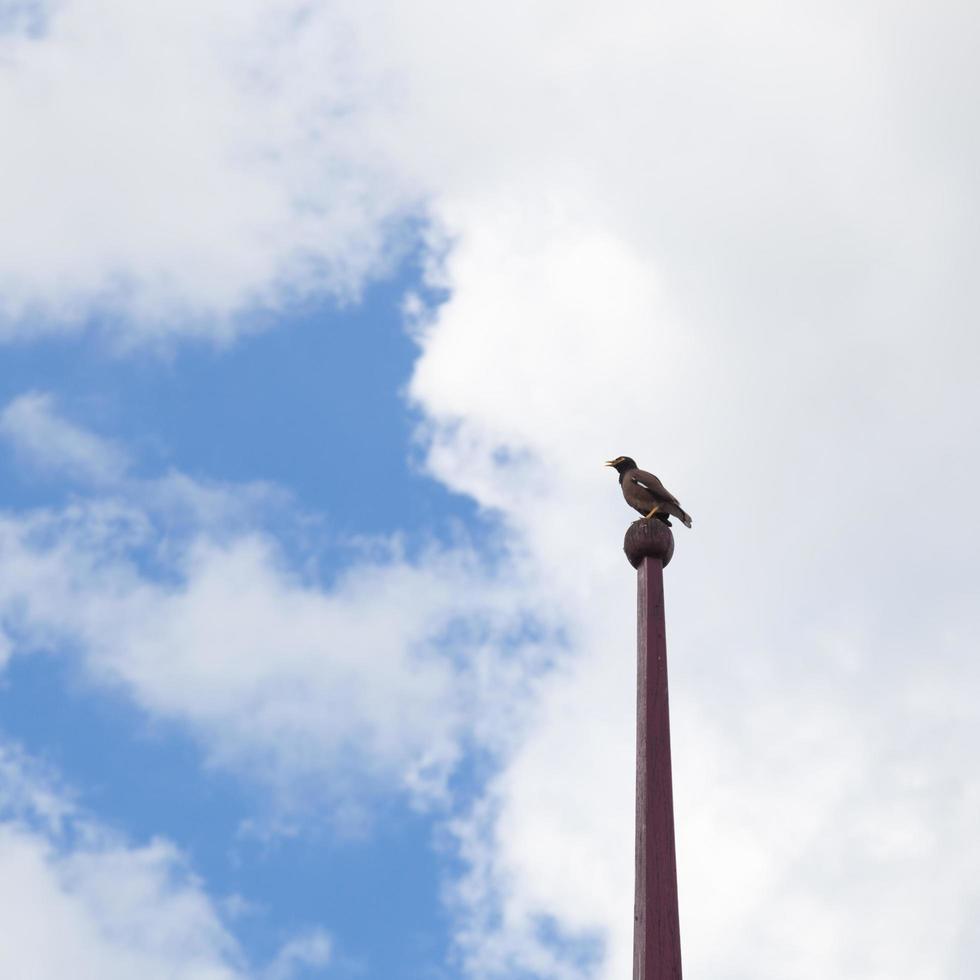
(648, 538)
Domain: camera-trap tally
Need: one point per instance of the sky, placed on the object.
(317, 321)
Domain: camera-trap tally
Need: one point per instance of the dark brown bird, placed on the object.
(645, 493)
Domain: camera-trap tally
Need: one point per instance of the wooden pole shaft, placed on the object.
(656, 929)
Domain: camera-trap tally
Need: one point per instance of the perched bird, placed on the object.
(645, 493)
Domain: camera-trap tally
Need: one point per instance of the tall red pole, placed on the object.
(656, 929)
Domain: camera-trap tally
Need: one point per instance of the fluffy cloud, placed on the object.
(79, 900)
(743, 273)
(171, 592)
(739, 246)
(46, 440)
(177, 164)
(312, 949)
(110, 909)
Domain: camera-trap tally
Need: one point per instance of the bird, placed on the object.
(645, 493)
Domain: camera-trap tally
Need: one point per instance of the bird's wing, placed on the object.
(652, 484)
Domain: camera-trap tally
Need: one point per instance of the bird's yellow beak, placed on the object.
(609, 462)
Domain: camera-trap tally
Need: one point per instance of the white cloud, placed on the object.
(738, 246)
(312, 949)
(726, 245)
(47, 440)
(77, 900)
(170, 592)
(176, 164)
(28, 791)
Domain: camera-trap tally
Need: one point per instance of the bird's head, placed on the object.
(622, 463)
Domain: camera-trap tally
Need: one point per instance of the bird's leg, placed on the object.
(652, 512)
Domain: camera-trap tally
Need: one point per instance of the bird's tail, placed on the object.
(680, 514)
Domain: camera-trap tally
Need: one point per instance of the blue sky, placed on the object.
(317, 321)
(308, 408)
(315, 405)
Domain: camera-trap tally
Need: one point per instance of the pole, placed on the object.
(656, 930)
